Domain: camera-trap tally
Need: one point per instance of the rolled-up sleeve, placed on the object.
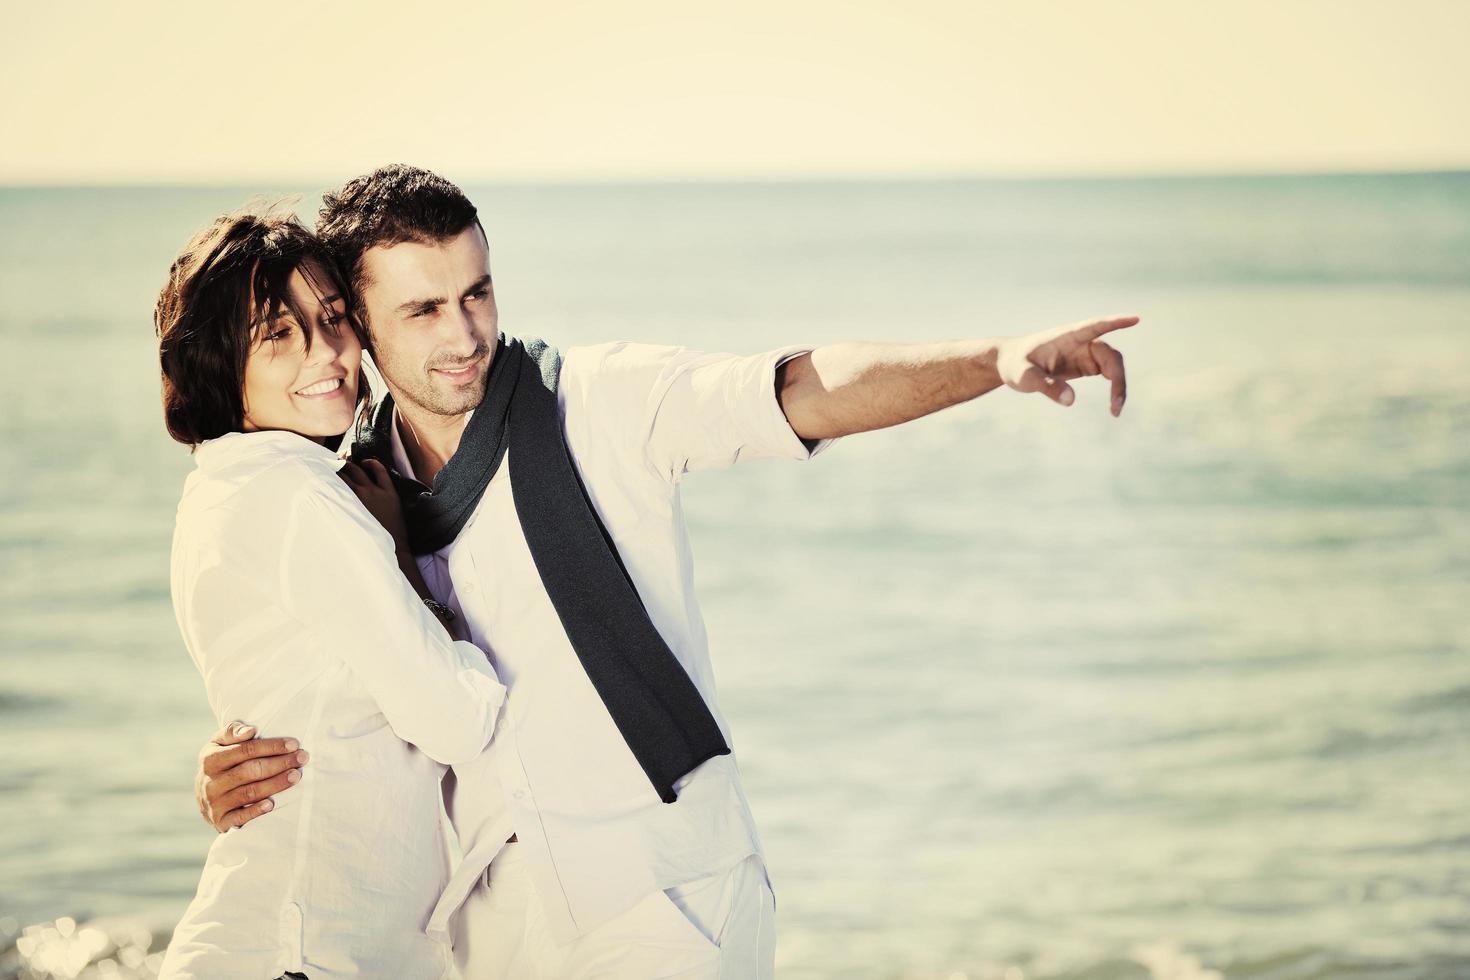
(690, 410)
(342, 580)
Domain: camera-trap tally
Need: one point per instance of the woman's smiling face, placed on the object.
(302, 377)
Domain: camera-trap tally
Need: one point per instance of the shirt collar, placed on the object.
(400, 455)
(235, 447)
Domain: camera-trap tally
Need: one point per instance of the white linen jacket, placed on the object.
(595, 834)
(292, 606)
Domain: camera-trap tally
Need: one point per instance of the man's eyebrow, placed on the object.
(415, 305)
(478, 284)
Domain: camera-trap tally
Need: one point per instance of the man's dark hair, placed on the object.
(232, 277)
(391, 205)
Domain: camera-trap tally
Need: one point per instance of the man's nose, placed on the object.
(461, 335)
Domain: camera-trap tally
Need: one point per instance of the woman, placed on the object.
(300, 614)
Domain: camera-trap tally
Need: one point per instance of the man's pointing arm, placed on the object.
(842, 389)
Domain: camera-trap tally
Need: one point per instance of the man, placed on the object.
(605, 830)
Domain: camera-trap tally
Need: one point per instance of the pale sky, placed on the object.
(211, 91)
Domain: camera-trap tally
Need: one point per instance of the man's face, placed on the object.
(432, 319)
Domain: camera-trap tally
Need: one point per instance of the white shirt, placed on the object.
(595, 834)
(293, 608)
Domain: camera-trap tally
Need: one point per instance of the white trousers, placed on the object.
(722, 927)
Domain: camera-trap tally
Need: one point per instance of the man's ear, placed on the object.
(363, 329)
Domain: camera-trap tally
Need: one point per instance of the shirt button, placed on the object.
(519, 794)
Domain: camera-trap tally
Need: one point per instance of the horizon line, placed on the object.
(690, 179)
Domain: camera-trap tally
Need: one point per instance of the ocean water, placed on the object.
(1020, 691)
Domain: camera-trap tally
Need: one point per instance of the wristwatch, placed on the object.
(443, 612)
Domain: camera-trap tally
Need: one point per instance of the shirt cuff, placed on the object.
(796, 447)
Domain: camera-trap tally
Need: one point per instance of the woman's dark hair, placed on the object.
(232, 277)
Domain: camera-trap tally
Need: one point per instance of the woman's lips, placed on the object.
(321, 390)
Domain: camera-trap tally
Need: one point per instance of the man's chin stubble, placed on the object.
(457, 402)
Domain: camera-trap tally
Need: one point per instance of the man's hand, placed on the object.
(1046, 361)
(239, 773)
(840, 389)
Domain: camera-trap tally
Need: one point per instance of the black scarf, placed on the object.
(660, 713)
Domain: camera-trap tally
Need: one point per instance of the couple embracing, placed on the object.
(484, 609)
